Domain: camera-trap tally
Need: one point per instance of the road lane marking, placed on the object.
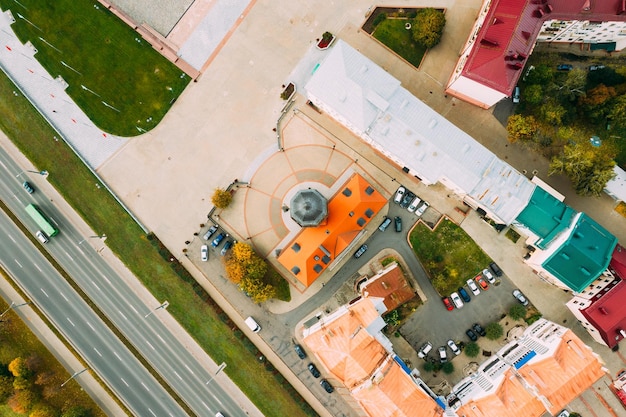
(160, 338)
(90, 326)
(69, 256)
(120, 311)
(37, 266)
(149, 344)
(106, 279)
(176, 373)
(18, 263)
(189, 369)
(97, 352)
(134, 309)
(144, 385)
(152, 412)
(117, 356)
(11, 237)
(68, 319)
(64, 297)
(204, 404)
(125, 383)
(45, 293)
(96, 285)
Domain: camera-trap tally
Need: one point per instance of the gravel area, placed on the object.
(161, 15)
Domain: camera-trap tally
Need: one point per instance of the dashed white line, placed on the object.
(105, 278)
(149, 344)
(64, 297)
(189, 369)
(160, 338)
(99, 354)
(69, 256)
(96, 285)
(120, 311)
(90, 326)
(68, 319)
(133, 308)
(18, 263)
(117, 356)
(45, 293)
(38, 269)
(152, 412)
(204, 404)
(144, 385)
(176, 373)
(11, 237)
(125, 383)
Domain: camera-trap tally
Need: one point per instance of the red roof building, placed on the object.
(505, 33)
(601, 308)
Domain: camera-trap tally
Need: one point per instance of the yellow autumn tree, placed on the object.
(221, 198)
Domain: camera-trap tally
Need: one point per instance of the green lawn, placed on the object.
(33, 136)
(391, 33)
(448, 254)
(104, 57)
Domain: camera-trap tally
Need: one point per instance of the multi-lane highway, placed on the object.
(114, 297)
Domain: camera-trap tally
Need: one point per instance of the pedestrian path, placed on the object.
(48, 95)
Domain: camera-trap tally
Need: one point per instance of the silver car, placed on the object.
(520, 297)
(204, 253)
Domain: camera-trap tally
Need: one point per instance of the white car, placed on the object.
(443, 355)
(416, 202)
(453, 347)
(458, 303)
(489, 276)
(422, 209)
(563, 413)
(473, 287)
(204, 253)
(399, 194)
(424, 350)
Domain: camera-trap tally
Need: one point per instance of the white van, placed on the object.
(41, 236)
(253, 325)
(416, 202)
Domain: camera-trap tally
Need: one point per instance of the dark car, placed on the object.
(29, 188)
(218, 239)
(398, 223)
(210, 232)
(327, 387)
(447, 303)
(226, 247)
(406, 200)
(479, 329)
(464, 295)
(301, 353)
(314, 371)
(564, 67)
(496, 269)
(470, 333)
(360, 251)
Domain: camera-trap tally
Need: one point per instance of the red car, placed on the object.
(481, 282)
(447, 303)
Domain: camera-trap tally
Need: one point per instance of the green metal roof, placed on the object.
(584, 256)
(545, 216)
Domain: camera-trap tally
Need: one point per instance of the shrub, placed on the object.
(494, 331)
(471, 349)
(327, 36)
(447, 368)
(388, 260)
(428, 366)
(517, 312)
(221, 198)
(428, 27)
(379, 19)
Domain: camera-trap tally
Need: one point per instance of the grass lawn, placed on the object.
(391, 33)
(104, 57)
(33, 136)
(448, 254)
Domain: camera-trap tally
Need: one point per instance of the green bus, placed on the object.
(41, 220)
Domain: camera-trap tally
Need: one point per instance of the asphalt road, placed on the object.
(121, 305)
(97, 344)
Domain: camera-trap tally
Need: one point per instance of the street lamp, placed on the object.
(220, 369)
(13, 305)
(93, 237)
(74, 375)
(161, 307)
(42, 173)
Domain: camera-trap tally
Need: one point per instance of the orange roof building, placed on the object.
(350, 345)
(388, 289)
(544, 370)
(315, 248)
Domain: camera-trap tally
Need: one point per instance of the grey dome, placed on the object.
(308, 208)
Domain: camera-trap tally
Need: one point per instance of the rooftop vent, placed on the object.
(369, 190)
(318, 268)
(295, 247)
(361, 221)
(347, 192)
(369, 213)
(295, 270)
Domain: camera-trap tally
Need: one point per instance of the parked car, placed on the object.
(210, 232)
(564, 67)
(563, 413)
(489, 276)
(218, 414)
(314, 371)
(481, 282)
(406, 200)
(516, 95)
(301, 353)
(464, 295)
(456, 300)
(398, 223)
(596, 67)
(327, 387)
(453, 347)
(420, 211)
(447, 303)
(226, 247)
(478, 329)
(29, 188)
(416, 202)
(520, 297)
(470, 333)
(443, 354)
(496, 269)
(427, 347)
(383, 226)
(399, 195)
(218, 239)
(360, 251)
(204, 253)
(473, 287)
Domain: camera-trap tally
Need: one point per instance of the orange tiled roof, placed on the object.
(392, 286)
(396, 395)
(564, 376)
(349, 211)
(345, 347)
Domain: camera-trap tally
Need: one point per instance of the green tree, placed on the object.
(6, 388)
(447, 368)
(574, 84)
(494, 331)
(472, 349)
(517, 312)
(618, 111)
(221, 198)
(533, 94)
(595, 104)
(43, 410)
(23, 400)
(428, 366)
(428, 27)
(77, 411)
(521, 128)
(541, 75)
(552, 112)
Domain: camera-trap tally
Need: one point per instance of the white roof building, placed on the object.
(372, 104)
